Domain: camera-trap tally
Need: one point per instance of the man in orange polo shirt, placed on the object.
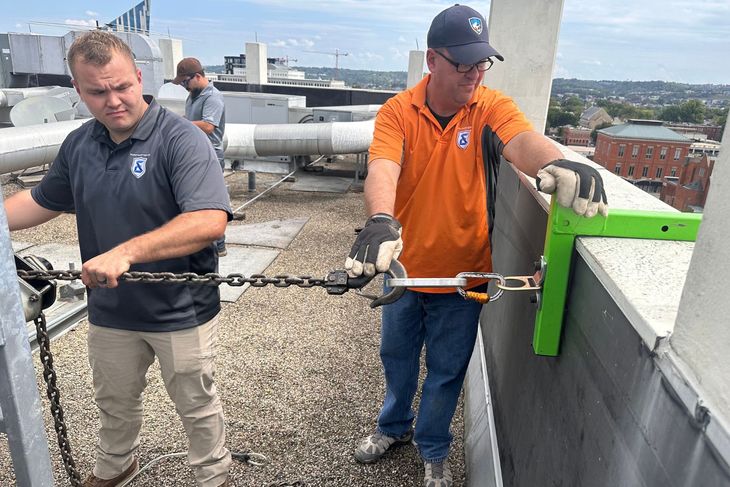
(426, 180)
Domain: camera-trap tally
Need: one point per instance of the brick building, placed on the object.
(691, 130)
(642, 151)
(576, 136)
(688, 192)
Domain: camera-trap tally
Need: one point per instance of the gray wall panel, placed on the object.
(597, 415)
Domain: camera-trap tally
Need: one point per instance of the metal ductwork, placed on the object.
(35, 145)
(243, 141)
(11, 96)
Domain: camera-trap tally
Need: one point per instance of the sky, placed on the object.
(671, 40)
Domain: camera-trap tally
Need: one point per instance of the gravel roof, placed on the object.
(298, 371)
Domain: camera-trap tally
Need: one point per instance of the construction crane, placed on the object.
(337, 55)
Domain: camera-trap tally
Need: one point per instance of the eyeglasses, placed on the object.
(187, 80)
(465, 68)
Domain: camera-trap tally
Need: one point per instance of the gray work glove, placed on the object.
(376, 245)
(576, 185)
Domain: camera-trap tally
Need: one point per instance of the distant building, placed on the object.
(695, 131)
(709, 147)
(642, 151)
(688, 192)
(593, 117)
(136, 19)
(576, 136)
(278, 72)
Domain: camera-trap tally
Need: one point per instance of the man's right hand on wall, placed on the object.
(376, 245)
(576, 185)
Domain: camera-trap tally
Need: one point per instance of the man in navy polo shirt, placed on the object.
(148, 196)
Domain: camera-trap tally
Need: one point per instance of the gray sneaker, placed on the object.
(374, 446)
(437, 474)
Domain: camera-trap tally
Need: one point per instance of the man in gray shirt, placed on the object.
(205, 108)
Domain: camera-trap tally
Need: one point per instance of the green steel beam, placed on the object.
(562, 229)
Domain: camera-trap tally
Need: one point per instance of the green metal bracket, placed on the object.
(562, 229)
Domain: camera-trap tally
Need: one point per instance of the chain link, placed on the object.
(211, 278)
(54, 396)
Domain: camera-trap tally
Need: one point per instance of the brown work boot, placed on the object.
(94, 481)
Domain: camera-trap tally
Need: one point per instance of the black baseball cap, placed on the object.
(463, 31)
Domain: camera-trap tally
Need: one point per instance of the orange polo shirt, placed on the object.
(441, 192)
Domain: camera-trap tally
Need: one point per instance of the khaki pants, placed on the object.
(119, 360)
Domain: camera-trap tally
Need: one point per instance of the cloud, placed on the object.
(19, 26)
(80, 22)
(397, 54)
(293, 43)
(91, 13)
(369, 56)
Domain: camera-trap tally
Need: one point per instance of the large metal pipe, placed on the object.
(17, 94)
(35, 145)
(298, 139)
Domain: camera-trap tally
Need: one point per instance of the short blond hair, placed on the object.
(96, 47)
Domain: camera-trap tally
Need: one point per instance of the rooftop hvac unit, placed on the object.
(260, 108)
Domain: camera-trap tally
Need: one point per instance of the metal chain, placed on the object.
(54, 396)
(214, 279)
(211, 278)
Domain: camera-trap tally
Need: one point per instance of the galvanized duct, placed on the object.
(14, 95)
(35, 145)
(298, 139)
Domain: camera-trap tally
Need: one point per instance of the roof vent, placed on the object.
(639, 121)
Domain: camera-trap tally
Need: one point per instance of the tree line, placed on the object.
(567, 111)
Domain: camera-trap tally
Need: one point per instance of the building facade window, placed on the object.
(663, 153)
(649, 152)
(674, 171)
(617, 169)
(631, 170)
(621, 149)
(677, 153)
(702, 171)
(659, 171)
(635, 152)
(645, 172)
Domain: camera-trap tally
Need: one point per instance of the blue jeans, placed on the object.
(447, 324)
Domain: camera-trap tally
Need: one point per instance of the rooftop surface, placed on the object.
(298, 371)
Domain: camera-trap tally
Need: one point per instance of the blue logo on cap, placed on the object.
(139, 166)
(476, 24)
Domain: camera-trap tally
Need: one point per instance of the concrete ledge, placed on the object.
(615, 407)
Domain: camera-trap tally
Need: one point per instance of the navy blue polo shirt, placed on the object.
(119, 191)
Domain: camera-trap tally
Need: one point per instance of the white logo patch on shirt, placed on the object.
(139, 166)
(462, 138)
